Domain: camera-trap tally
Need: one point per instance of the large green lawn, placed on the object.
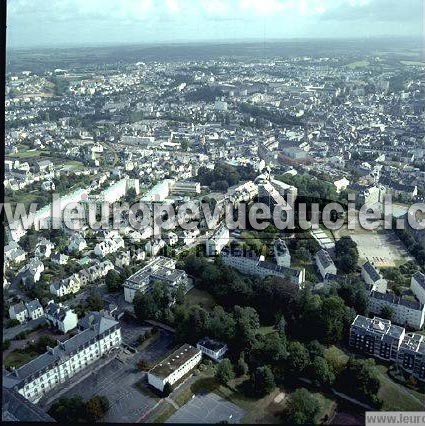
(394, 395)
(201, 298)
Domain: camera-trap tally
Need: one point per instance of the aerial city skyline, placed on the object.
(214, 212)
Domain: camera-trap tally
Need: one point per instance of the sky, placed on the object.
(56, 23)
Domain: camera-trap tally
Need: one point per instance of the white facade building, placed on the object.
(174, 367)
(60, 316)
(218, 240)
(158, 269)
(417, 285)
(98, 335)
(405, 312)
(249, 263)
(213, 349)
(374, 278)
(325, 263)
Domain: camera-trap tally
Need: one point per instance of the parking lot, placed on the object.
(207, 408)
(118, 382)
(383, 249)
(158, 348)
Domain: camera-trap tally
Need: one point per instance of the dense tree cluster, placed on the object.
(224, 175)
(301, 408)
(156, 303)
(347, 255)
(309, 186)
(75, 410)
(412, 244)
(309, 317)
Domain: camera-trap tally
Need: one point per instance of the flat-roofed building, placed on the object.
(212, 348)
(377, 337)
(281, 253)
(159, 269)
(411, 355)
(174, 367)
(382, 339)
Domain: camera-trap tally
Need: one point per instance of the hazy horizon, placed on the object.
(79, 23)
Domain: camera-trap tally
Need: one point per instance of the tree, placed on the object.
(387, 313)
(224, 372)
(315, 349)
(113, 281)
(69, 410)
(360, 379)
(95, 301)
(96, 407)
(143, 305)
(298, 358)
(180, 293)
(281, 326)
(301, 407)
(347, 255)
(242, 367)
(262, 381)
(320, 372)
(167, 389)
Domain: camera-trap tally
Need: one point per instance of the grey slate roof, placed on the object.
(371, 271)
(16, 408)
(90, 329)
(420, 278)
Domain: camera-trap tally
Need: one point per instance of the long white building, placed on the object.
(98, 334)
(174, 367)
(249, 263)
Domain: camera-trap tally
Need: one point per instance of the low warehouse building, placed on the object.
(174, 367)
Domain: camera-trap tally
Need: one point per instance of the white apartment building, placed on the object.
(212, 348)
(158, 269)
(373, 277)
(98, 335)
(405, 312)
(249, 263)
(174, 367)
(70, 285)
(417, 285)
(324, 263)
(26, 311)
(60, 316)
(218, 240)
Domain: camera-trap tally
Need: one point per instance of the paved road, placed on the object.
(11, 333)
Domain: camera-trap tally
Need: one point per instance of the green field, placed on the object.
(30, 153)
(393, 395)
(18, 358)
(201, 298)
(358, 64)
(413, 63)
